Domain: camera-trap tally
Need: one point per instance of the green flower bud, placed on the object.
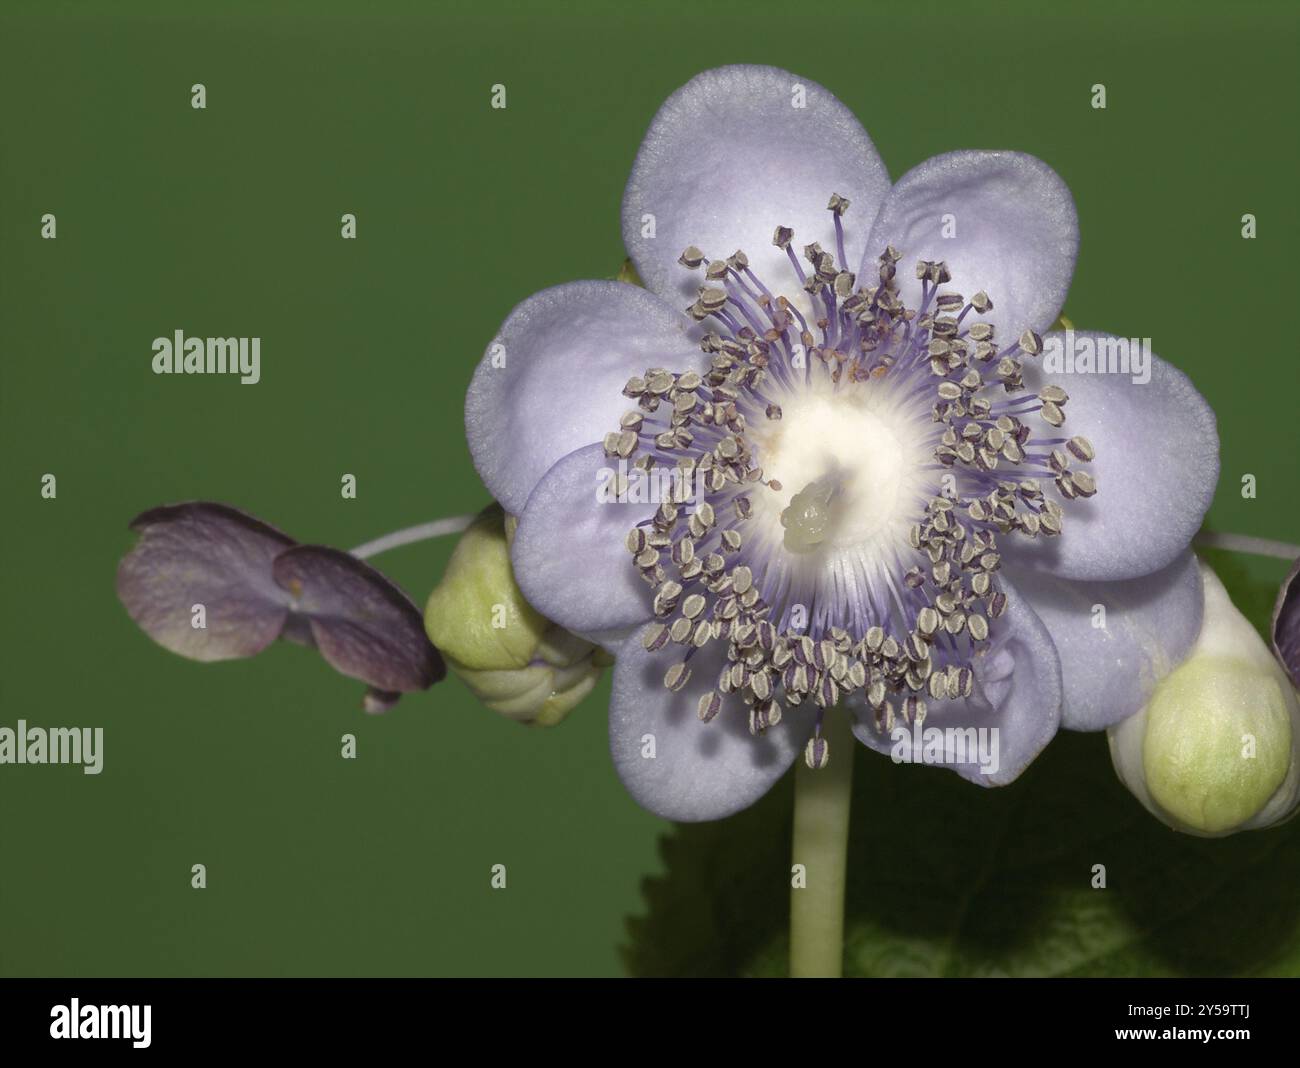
(1215, 749)
(514, 660)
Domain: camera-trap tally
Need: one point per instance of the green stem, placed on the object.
(821, 837)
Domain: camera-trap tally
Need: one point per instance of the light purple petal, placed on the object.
(728, 158)
(1286, 625)
(1017, 690)
(569, 553)
(699, 771)
(1149, 624)
(208, 554)
(551, 381)
(1156, 468)
(1015, 234)
(611, 640)
(363, 625)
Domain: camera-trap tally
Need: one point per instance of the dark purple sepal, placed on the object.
(378, 701)
(204, 554)
(363, 625)
(1286, 624)
(256, 584)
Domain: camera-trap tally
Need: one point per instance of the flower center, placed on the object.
(854, 464)
(852, 485)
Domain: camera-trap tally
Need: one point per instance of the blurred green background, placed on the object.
(226, 221)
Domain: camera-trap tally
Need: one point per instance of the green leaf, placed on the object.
(947, 879)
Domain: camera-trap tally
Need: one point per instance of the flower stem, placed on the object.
(820, 844)
(1245, 543)
(435, 529)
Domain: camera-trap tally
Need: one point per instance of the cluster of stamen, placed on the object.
(915, 642)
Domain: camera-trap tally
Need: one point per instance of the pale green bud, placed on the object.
(1215, 749)
(514, 660)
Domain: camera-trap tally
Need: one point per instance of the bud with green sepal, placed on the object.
(1215, 749)
(514, 660)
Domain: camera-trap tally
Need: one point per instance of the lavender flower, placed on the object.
(885, 515)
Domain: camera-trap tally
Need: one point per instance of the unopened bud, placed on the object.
(514, 660)
(1214, 751)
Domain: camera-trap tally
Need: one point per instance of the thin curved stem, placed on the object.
(1244, 543)
(820, 845)
(424, 531)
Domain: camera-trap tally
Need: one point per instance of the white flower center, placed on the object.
(855, 464)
